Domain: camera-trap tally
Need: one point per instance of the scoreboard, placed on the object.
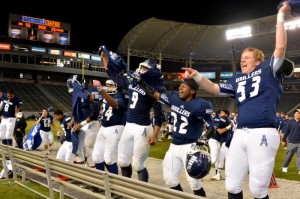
(38, 29)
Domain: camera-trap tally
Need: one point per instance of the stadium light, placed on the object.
(291, 25)
(237, 33)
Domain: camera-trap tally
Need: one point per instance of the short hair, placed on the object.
(258, 54)
(226, 112)
(192, 84)
(58, 112)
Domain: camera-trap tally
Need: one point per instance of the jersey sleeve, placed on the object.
(122, 99)
(227, 88)
(158, 114)
(207, 114)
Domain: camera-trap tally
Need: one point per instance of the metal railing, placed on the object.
(110, 183)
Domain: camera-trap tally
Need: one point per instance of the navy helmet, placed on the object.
(198, 163)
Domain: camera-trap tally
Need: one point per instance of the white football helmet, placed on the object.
(71, 80)
(148, 63)
(111, 87)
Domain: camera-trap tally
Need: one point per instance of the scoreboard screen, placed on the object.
(37, 29)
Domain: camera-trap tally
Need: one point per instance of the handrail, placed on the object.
(110, 183)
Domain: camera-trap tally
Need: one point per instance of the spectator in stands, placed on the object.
(20, 126)
(292, 134)
(256, 140)
(9, 106)
(46, 121)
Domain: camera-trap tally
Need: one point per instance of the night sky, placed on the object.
(107, 23)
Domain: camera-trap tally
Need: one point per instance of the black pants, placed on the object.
(19, 141)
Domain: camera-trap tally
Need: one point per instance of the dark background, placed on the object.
(107, 22)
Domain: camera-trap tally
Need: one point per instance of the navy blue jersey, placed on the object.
(64, 126)
(257, 95)
(46, 123)
(217, 135)
(139, 103)
(115, 116)
(82, 107)
(189, 117)
(222, 122)
(9, 106)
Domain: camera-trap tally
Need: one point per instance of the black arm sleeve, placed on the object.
(95, 107)
(148, 89)
(158, 114)
(287, 67)
(210, 132)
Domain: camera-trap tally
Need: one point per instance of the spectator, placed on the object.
(19, 131)
(292, 134)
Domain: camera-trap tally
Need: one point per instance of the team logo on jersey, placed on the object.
(164, 97)
(264, 140)
(209, 111)
(116, 131)
(144, 132)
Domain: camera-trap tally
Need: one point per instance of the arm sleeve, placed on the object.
(95, 110)
(158, 114)
(286, 133)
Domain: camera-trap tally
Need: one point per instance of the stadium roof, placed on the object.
(195, 43)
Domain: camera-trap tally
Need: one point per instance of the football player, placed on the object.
(138, 133)
(65, 150)
(46, 121)
(85, 110)
(255, 142)
(190, 115)
(113, 120)
(9, 105)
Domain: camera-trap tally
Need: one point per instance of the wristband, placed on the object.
(83, 123)
(280, 17)
(198, 77)
(228, 127)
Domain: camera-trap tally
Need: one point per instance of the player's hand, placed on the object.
(104, 59)
(152, 140)
(285, 7)
(76, 128)
(98, 85)
(283, 144)
(189, 73)
(202, 141)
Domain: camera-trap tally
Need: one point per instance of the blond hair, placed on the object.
(258, 54)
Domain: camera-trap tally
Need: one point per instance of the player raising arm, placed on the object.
(190, 115)
(255, 142)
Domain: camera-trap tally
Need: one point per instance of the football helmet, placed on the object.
(198, 162)
(111, 87)
(74, 79)
(148, 63)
